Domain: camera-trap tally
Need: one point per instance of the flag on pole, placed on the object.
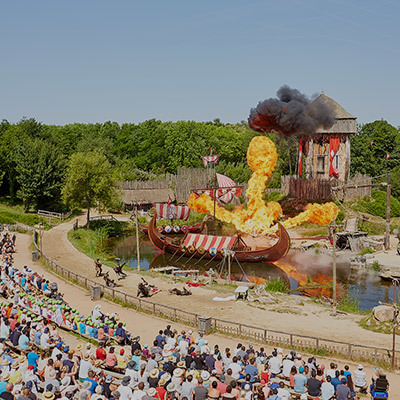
(372, 142)
(387, 156)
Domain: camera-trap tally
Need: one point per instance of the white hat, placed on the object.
(205, 375)
(289, 357)
(171, 387)
(360, 366)
(152, 392)
(178, 372)
(298, 356)
(246, 386)
(190, 332)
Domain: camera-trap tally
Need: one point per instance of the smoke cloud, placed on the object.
(291, 113)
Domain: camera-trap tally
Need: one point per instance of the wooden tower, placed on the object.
(328, 152)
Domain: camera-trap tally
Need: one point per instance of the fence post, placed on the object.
(265, 335)
(113, 294)
(375, 353)
(291, 340)
(317, 344)
(349, 351)
(240, 329)
(154, 308)
(175, 313)
(125, 299)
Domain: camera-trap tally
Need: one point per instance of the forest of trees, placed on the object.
(34, 157)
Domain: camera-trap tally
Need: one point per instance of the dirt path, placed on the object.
(289, 315)
(142, 324)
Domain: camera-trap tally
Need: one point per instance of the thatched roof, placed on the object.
(147, 196)
(339, 111)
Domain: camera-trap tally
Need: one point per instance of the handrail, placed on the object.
(385, 354)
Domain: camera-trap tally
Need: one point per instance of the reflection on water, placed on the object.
(368, 288)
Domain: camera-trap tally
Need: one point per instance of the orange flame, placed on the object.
(259, 217)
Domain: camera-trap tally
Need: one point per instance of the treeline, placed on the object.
(34, 156)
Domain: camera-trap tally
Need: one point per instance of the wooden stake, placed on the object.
(137, 238)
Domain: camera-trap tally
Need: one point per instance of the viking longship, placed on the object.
(210, 247)
(173, 212)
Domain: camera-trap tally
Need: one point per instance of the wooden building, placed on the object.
(328, 152)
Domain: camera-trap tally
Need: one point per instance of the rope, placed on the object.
(244, 273)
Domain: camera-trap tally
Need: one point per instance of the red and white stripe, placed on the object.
(210, 159)
(164, 211)
(207, 241)
(224, 181)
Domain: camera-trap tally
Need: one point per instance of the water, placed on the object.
(367, 287)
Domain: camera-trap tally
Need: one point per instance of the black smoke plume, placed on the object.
(291, 113)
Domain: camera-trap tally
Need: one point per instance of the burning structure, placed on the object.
(323, 128)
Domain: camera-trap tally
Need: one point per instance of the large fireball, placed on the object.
(259, 217)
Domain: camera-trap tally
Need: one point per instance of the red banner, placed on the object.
(334, 144)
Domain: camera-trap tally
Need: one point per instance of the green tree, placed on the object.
(89, 182)
(40, 169)
(370, 159)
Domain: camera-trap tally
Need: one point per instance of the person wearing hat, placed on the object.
(300, 381)
(84, 367)
(124, 389)
(153, 377)
(108, 386)
(177, 379)
(5, 376)
(151, 394)
(360, 381)
(51, 384)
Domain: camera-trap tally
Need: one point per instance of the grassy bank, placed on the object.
(15, 214)
(91, 241)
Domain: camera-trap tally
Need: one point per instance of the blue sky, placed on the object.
(128, 61)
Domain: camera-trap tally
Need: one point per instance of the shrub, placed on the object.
(366, 250)
(276, 285)
(349, 304)
(376, 205)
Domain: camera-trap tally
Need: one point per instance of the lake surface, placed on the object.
(366, 286)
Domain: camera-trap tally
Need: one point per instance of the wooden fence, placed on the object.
(52, 214)
(351, 351)
(321, 189)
